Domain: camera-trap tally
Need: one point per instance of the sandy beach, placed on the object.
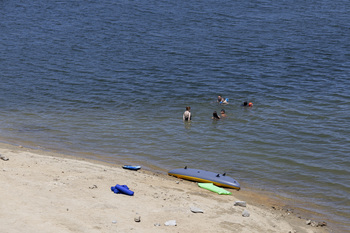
(45, 192)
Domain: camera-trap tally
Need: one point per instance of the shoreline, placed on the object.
(47, 189)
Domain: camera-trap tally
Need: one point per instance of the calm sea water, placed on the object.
(109, 80)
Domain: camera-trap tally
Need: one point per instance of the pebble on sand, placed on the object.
(170, 223)
(245, 213)
(196, 210)
(4, 158)
(240, 203)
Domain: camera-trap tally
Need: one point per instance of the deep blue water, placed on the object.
(109, 80)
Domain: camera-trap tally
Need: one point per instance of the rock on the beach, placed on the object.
(322, 224)
(316, 224)
(137, 219)
(170, 223)
(245, 213)
(312, 223)
(4, 158)
(240, 203)
(196, 210)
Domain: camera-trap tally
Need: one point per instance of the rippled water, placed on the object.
(110, 80)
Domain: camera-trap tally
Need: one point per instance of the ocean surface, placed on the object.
(110, 80)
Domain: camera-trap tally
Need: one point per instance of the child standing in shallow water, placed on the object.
(187, 116)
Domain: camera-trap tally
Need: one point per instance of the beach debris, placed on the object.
(245, 213)
(170, 223)
(316, 224)
(137, 218)
(240, 203)
(157, 224)
(123, 189)
(114, 221)
(4, 158)
(93, 187)
(196, 210)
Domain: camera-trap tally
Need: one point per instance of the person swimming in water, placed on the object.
(215, 116)
(222, 100)
(245, 104)
(187, 116)
(223, 113)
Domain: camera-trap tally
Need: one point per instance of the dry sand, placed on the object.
(42, 192)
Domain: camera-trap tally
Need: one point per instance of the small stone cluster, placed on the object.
(316, 224)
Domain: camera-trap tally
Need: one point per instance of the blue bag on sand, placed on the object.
(122, 189)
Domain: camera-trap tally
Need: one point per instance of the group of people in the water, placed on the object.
(187, 116)
(217, 117)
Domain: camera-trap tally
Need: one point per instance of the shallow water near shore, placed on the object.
(110, 81)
